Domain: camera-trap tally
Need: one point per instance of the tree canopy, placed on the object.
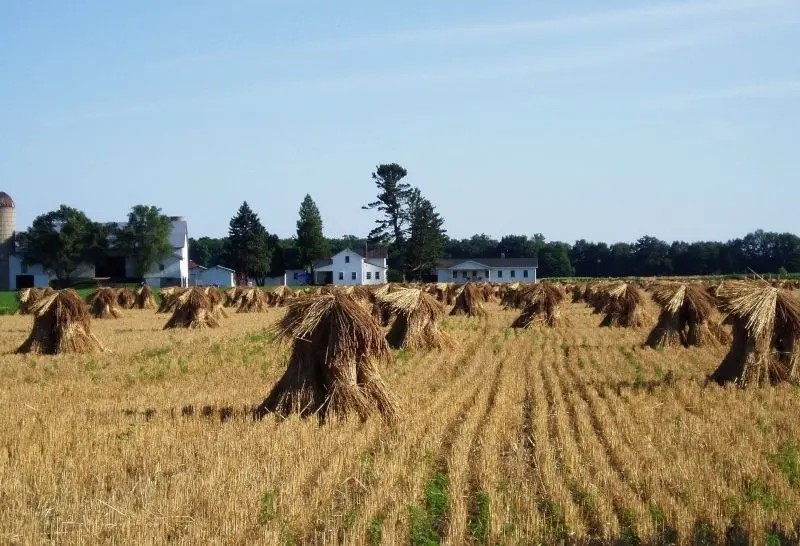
(145, 238)
(62, 240)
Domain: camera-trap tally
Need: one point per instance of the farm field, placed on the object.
(545, 435)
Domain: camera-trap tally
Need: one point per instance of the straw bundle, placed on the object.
(253, 300)
(169, 299)
(215, 299)
(192, 310)
(469, 302)
(542, 306)
(624, 306)
(125, 298)
(61, 324)
(281, 295)
(27, 298)
(333, 367)
(685, 318)
(144, 298)
(416, 326)
(766, 334)
(103, 304)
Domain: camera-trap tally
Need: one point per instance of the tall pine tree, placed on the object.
(247, 248)
(426, 237)
(311, 243)
(392, 203)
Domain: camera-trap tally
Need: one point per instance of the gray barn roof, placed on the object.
(491, 262)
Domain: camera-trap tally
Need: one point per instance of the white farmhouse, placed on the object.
(350, 267)
(499, 270)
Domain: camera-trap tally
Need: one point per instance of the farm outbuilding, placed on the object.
(216, 275)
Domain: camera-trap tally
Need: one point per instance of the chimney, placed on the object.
(502, 255)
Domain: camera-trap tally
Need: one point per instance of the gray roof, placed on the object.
(322, 263)
(372, 253)
(492, 262)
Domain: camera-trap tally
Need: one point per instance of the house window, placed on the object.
(455, 274)
(341, 275)
(474, 273)
(353, 276)
(161, 267)
(513, 273)
(294, 275)
(24, 268)
(499, 273)
(377, 275)
(347, 259)
(525, 273)
(369, 276)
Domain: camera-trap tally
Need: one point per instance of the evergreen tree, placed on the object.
(145, 238)
(311, 243)
(426, 237)
(392, 203)
(247, 248)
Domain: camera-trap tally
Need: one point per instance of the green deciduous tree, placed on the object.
(206, 251)
(426, 237)
(311, 243)
(61, 240)
(247, 248)
(554, 260)
(145, 238)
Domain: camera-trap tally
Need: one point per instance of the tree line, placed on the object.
(407, 225)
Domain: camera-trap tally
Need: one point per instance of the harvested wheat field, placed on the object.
(573, 434)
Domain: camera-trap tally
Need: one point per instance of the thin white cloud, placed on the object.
(766, 90)
(634, 19)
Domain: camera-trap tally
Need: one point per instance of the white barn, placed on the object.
(498, 270)
(16, 274)
(350, 267)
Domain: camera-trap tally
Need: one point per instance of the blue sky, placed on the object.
(598, 120)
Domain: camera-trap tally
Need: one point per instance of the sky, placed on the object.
(580, 119)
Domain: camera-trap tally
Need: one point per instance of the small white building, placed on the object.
(216, 275)
(174, 269)
(498, 270)
(350, 267)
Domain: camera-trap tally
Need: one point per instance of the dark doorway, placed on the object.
(110, 267)
(24, 281)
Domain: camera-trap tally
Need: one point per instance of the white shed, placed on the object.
(217, 275)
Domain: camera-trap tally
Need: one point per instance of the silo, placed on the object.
(8, 223)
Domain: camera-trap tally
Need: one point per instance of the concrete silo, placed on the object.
(8, 223)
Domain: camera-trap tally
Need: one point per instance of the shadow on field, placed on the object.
(210, 412)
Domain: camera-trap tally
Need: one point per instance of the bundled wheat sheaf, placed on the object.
(333, 367)
(623, 305)
(216, 299)
(252, 300)
(417, 324)
(125, 298)
(469, 302)
(766, 334)
(61, 324)
(280, 296)
(27, 298)
(541, 306)
(169, 299)
(192, 310)
(103, 304)
(144, 298)
(686, 317)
